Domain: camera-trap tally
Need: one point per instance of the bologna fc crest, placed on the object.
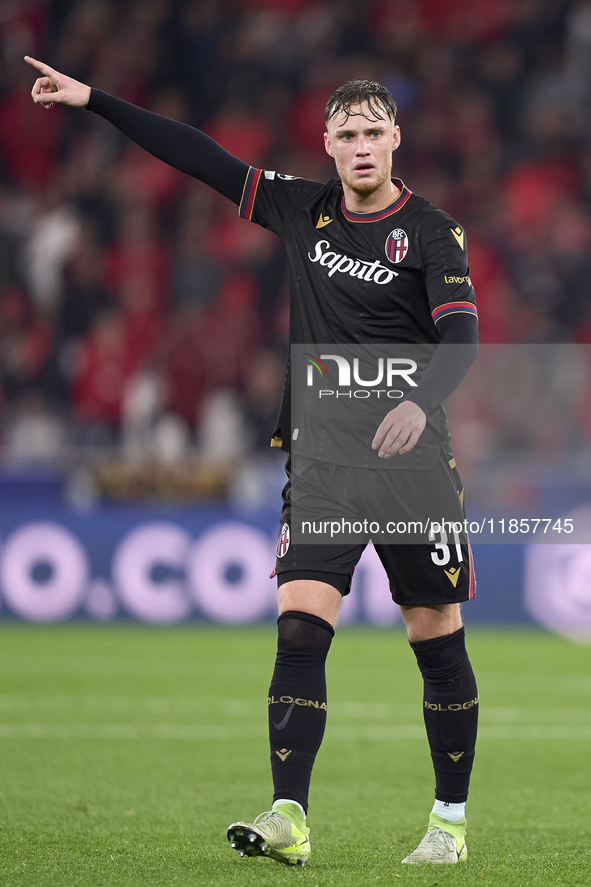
(283, 541)
(396, 245)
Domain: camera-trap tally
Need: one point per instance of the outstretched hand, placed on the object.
(400, 430)
(56, 87)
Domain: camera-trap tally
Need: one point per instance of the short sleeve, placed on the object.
(447, 274)
(271, 199)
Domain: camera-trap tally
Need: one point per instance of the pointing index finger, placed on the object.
(41, 66)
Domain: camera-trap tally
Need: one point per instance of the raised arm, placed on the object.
(187, 149)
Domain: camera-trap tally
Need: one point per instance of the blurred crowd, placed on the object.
(137, 311)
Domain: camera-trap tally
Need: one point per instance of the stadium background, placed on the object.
(143, 325)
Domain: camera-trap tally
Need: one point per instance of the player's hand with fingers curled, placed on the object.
(55, 87)
(400, 430)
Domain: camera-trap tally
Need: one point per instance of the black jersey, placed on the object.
(386, 277)
(369, 278)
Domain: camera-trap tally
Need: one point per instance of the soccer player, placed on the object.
(370, 262)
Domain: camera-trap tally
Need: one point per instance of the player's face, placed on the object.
(362, 146)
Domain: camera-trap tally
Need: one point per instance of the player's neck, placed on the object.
(373, 201)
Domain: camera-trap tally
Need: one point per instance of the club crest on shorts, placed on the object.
(283, 541)
(396, 245)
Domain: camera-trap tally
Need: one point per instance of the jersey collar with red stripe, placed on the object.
(382, 213)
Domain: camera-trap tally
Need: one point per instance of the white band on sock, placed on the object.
(451, 812)
(288, 801)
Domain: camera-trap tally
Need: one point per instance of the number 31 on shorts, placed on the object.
(442, 554)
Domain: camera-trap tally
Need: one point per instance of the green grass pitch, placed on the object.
(126, 750)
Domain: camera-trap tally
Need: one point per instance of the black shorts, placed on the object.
(435, 569)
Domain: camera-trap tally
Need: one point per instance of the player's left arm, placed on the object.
(453, 308)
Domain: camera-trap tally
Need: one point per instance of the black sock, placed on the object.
(297, 702)
(450, 708)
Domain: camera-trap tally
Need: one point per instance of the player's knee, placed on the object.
(317, 598)
(303, 638)
(426, 623)
(442, 659)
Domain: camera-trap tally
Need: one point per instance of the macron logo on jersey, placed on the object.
(353, 267)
